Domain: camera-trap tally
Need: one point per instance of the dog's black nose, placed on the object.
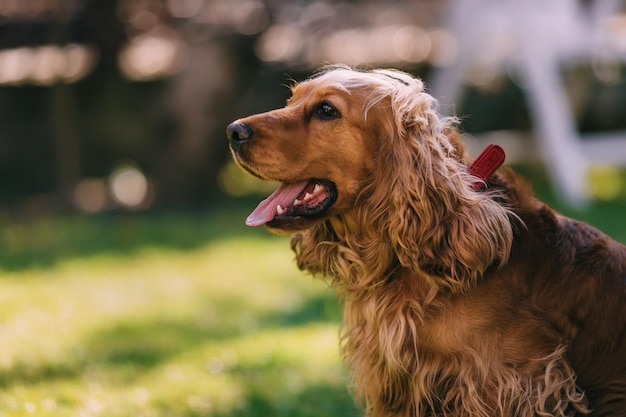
(237, 134)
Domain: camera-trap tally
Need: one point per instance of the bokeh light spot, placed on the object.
(129, 186)
(605, 182)
(90, 195)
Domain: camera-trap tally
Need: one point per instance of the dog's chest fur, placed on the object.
(414, 351)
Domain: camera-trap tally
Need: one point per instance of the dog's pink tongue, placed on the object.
(284, 197)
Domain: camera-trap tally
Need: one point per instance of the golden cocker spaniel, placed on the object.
(458, 300)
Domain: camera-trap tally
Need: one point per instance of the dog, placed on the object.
(459, 300)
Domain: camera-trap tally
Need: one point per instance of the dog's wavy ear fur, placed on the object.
(435, 221)
(418, 210)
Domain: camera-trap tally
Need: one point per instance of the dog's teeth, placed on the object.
(308, 196)
(279, 210)
(297, 202)
(317, 189)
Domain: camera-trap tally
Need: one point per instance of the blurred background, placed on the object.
(128, 285)
(122, 104)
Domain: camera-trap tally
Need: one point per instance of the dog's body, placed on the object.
(457, 302)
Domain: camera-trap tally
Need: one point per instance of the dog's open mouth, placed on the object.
(310, 199)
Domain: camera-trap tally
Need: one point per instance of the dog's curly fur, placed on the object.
(457, 302)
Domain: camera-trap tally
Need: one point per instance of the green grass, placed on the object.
(181, 314)
(164, 315)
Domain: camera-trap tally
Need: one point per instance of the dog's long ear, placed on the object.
(427, 209)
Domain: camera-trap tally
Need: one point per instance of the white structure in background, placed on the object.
(535, 39)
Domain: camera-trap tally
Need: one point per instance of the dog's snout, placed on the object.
(237, 134)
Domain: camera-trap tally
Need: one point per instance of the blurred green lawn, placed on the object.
(183, 314)
(172, 314)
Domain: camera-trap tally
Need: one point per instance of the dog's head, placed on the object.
(366, 161)
(324, 146)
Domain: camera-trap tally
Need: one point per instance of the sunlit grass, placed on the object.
(224, 328)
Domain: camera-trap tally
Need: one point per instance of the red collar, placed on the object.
(486, 164)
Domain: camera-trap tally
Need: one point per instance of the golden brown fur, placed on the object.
(456, 302)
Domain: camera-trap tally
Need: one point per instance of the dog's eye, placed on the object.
(326, 111)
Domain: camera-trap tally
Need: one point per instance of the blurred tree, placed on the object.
(171, 127)
(201, 99)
